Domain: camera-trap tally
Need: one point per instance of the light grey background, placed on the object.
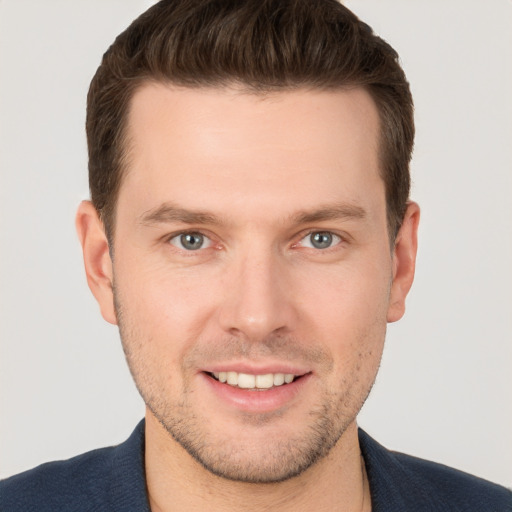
(445, 387)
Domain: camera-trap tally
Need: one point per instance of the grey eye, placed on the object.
(320, 240)
(190, 241)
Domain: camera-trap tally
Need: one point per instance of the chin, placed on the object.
(257, 452)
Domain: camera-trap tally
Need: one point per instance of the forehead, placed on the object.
(200, 145)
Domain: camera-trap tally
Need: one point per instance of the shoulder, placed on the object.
(91, 481)
(454, 488)
(62, 485)
(405, 481)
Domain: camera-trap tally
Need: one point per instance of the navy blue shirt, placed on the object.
(113, 479)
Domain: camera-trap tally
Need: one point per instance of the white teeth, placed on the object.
(264, 381)
(248, 381)
(288, 378)
(278, 379)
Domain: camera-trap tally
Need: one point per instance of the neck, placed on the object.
(177, 482)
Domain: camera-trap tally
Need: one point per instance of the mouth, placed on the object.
(252, 382)
(256, 390)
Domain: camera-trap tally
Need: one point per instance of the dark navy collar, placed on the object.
(402, 483)
(127, 490)
(398, 482)
(391, 485)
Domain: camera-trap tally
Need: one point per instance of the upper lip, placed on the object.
(252, 368)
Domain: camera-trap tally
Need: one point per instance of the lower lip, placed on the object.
(256, 401)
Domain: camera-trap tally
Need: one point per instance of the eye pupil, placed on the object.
(321, 240)
(192, 241)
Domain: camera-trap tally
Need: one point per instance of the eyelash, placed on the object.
(336, 240)
(185, 233)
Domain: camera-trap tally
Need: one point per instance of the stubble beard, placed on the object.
(273, 461)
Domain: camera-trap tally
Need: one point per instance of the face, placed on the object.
(253, 276)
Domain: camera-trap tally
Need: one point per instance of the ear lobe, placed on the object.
(97, 261)
(404, 262)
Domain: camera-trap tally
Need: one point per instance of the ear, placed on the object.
(404, 262)
(97, 261)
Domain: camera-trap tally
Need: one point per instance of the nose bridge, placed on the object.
(257, 301)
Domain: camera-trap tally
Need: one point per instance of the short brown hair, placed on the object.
(261, 45)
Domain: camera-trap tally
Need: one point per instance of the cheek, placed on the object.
(170, 307)
(150, 338)
(347, 310)
(348, 296)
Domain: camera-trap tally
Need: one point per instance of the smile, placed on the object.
(255, 390)
(248, 381)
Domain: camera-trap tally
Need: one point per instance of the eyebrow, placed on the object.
(169, 213)
(337, 211)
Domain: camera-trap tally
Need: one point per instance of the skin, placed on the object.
(255, 176)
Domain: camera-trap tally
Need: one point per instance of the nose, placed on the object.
(258, 297)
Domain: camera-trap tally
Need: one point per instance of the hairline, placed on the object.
(263, 91)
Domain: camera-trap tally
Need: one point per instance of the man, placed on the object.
(251, 235)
